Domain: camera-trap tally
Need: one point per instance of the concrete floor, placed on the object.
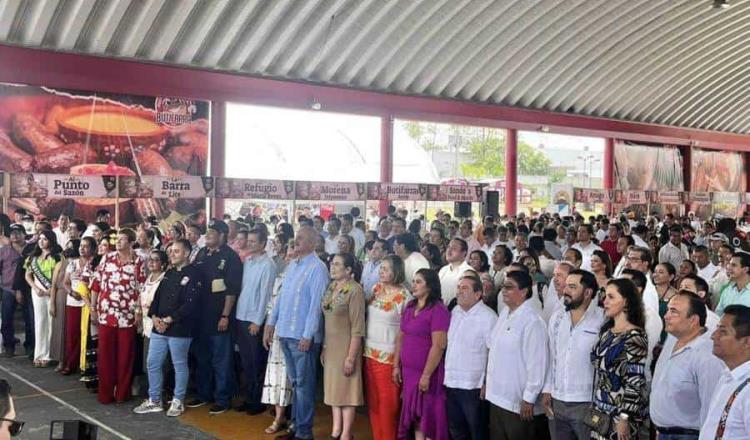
(41, 396)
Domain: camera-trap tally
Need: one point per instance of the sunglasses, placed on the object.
(15, 427)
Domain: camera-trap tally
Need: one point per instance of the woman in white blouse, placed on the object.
(156, 262)
(383, 323)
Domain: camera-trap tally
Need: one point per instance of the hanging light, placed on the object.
(721, 4)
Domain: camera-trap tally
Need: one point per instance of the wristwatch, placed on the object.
(224, 316)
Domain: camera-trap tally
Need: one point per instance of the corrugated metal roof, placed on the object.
(673, 62)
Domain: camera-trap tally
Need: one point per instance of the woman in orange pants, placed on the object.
(383, 322)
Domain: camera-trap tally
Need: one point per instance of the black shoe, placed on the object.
(9, 353)
(218, 409)
(195, 403)
(243, 408)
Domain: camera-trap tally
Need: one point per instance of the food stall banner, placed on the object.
(455, 193)
(728, 198)
(330, 191)
(671, 197)
(90, 133)
(591, 195)
(636, 197)
(699, 197)
(228, 188)
(165, 187)
(413, 192)
(61, 186)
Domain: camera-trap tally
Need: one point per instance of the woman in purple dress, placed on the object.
(418, 361)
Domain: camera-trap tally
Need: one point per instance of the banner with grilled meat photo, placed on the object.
(82, 133)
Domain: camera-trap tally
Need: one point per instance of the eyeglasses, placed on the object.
(15, 427)
(509, 286)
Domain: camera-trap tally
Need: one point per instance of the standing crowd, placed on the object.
(514, 328)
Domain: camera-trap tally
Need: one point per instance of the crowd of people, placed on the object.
(530, 327)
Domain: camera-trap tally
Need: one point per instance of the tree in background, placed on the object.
(485, 148)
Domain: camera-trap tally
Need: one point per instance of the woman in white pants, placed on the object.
(40, 267)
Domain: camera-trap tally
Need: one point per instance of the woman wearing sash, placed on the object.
(58, 306)
(40, 267)
(75, 285)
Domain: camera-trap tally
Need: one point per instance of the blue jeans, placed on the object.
(301, 367)
(215, 373)
(157, 353)
(8, 317)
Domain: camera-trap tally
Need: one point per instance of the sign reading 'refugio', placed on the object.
(61, 186)
(228, 188)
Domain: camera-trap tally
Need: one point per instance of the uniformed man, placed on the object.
(221, 270)
(173, 312)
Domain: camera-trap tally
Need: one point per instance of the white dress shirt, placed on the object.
(332, 245)
(412, 264)
(712, 320)
(544, 302)
(517, 360)
(619, 268)
(449, 277)
(738, 420)
(650, 295)
(489, 250)
(708, 272)
(473, 245)
(62, 237)
(684, 381)
(359, 239)
(640, 242)
(669, 253)
(654, 326)
(586, 252)
(571, 374)
(468, 339)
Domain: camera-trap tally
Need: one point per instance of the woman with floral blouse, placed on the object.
(115, 298)
(383, 322)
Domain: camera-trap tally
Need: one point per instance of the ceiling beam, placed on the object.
(85, 72)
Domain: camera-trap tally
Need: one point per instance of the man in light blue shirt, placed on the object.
(258, 276)
(376, 251)
(738, 290)
(296, 318)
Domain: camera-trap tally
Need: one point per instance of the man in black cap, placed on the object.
(222, 281)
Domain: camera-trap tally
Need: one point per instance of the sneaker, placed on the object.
(195, 403)
(218, 409)
(148, 407)
(176, 408)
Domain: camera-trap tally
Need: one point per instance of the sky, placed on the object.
(277, 143)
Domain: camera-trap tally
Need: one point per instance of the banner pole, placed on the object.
(6, 190)
(117, 202)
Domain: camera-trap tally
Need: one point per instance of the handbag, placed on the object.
(596, 419)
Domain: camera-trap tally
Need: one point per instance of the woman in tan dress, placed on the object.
(344, 315)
